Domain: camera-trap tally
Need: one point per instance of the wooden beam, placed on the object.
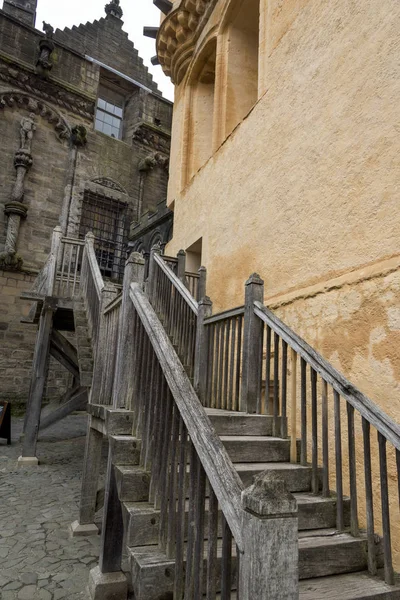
(164, 5)
(77, 402)
(63, 351)
(150, 32)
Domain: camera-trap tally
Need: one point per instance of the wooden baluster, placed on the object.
(387, 544)
(216, 363)
(226, 362)
(157, 439)
(211, 366)
(147, 417)
(268, 405)
(398, 472)
(325, 441)
(276, 383)
(212, 546)
(353, 472)
(231, 403)
(293, 408)
(190, 565)
(252, 347)
(162, 495)
(226, 568)
(303, 452)
(181, 514)
(221, 366)
(338, 456)
(199, 527)
(314, 427)
(172, 485)
(372, 568)
(284, 391)
(238, 363)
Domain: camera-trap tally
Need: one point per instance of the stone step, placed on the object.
(125, 449)
(321, 553)
(143, 520)
(227, 422)
(248, 449)
(354, 586)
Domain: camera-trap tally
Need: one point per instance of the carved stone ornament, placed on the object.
(46, 90)
(114, 9)
(154, 160)
(46, 47)
(16, 210)
(153, 138)
(36, 107)
(79, 136)
(110, 184)
(178, 34)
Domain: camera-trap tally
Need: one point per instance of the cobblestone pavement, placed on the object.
(39, 560)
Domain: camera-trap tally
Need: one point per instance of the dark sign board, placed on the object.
(5, 421)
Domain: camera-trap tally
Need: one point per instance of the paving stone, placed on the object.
(40, 561)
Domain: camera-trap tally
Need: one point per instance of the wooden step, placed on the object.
(142, 519)
(133, 483)
(227, 422)
(354, 586)
(125, 450)
(296, 477)
(248, 449)
(321, 553)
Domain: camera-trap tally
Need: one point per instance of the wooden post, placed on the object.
(39, 376)
(90, 477)
(108, 294)
(269, 565)
(181, 266)
(107, 579)
(134, 271)
(55, 256)
(151, 282)
(250, 401)
(201, 354)
(201, 290)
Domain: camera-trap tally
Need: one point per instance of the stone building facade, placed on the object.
(85, 144)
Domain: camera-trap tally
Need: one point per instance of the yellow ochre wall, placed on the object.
(306, 191)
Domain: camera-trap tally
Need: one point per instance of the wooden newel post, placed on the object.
(134, 272)
(252, 347)
(201, 354)
(269, 566)
(201, 290)
(151, 282)
(181, 266)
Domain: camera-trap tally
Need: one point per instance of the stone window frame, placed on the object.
(110, 106)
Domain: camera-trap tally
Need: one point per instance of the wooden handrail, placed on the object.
(226, 314)
(223, 477)
(177, 283)
(116, 303)
(94, 267)
(360, 402)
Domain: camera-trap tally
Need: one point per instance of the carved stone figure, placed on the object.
(79, 135)
(28, 127)
(46, 47)
(114, 9)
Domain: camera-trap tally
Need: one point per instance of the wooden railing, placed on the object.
(92, 286)
(176, 307)
(224, 334)
(69, 268)
(190, 468)
(192, 284)
(110, 325)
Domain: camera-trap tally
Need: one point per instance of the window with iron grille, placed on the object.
(107, 219)
(109, 112)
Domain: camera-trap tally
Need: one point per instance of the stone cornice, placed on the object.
(178, 34)
(55, 93)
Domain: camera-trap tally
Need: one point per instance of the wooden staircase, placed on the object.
(332, 564)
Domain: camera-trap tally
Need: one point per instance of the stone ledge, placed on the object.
(28, 461)
(79, 530)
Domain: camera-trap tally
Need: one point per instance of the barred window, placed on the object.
(109, 113)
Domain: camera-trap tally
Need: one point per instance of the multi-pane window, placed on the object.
(107, 220)
(109, 113)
